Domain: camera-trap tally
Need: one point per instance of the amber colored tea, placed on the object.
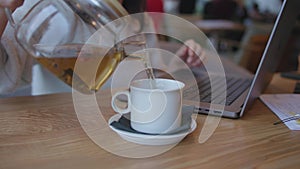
(85, 74)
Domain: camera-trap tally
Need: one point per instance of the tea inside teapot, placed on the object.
(62, 59)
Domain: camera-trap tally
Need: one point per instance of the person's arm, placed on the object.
(15, 63)
(3, 21)
(12, 5)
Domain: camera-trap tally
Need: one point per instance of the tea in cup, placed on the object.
(152, 110)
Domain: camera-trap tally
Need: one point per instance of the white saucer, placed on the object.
(145, 139)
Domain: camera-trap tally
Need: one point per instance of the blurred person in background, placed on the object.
(225, 9)
(187, 6)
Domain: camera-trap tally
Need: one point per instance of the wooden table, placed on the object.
(214, 25)
(44, 132)
(217, 30)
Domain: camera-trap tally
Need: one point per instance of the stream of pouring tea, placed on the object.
(148, 67)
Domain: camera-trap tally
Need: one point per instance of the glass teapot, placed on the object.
(55, 33)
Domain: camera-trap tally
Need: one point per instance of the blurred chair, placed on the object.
(226, 10)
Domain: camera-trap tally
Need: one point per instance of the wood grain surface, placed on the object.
(43, 132)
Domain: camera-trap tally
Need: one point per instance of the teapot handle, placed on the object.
(8, 14)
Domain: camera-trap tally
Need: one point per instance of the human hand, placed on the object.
(192, 53)
(11, 4)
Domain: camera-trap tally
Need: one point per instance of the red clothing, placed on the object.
(155, 6)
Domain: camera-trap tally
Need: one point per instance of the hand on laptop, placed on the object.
(192, 53)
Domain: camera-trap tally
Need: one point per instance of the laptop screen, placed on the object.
(280, 38)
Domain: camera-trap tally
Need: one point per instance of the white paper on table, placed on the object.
(284, 106)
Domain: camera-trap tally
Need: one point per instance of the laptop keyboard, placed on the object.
(235, 87)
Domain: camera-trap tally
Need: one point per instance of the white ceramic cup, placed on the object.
(153, 110)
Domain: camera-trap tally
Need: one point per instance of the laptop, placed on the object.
(245, 89)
